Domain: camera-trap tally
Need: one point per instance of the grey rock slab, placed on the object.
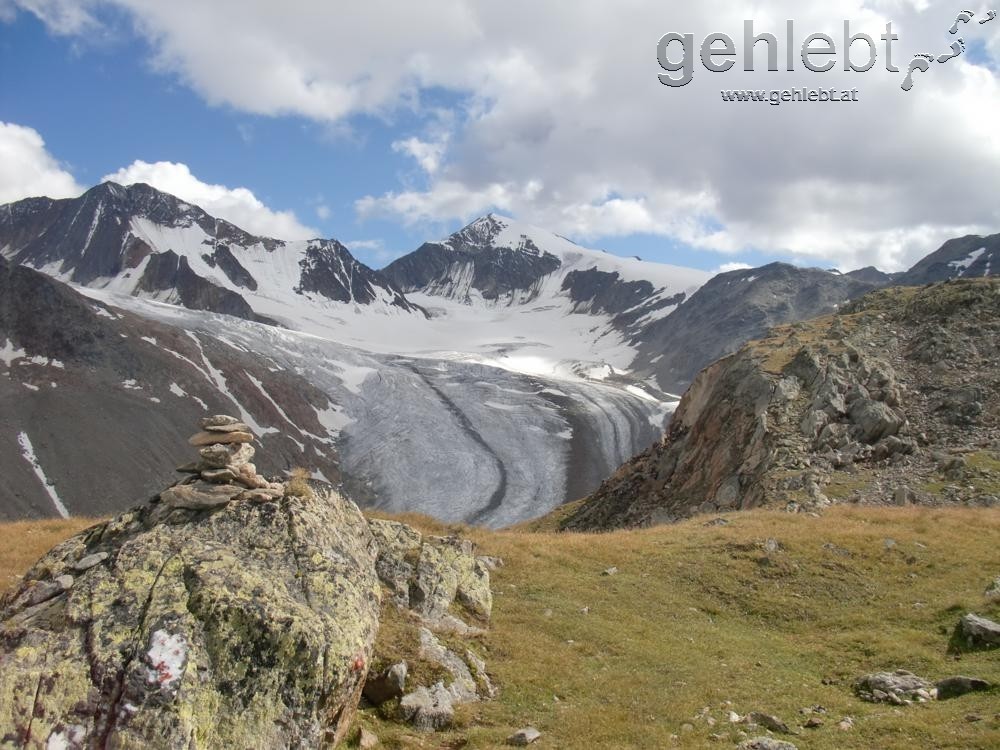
(765, 743)
(199, 496)
(88, 562)
(979, 632)
(427, 709)
(524, 737)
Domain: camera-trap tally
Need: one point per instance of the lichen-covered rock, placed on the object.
(398, 551)
(248, 625)
(427, 709)
(428, 574)
(448, 570)
(462, 686)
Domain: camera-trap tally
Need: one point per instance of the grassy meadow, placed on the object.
(701, 620)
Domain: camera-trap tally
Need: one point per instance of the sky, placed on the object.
(386, 124)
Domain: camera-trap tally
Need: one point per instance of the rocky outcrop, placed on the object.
(223, 615)
(429, 575)
(879, 403)
(441, 591)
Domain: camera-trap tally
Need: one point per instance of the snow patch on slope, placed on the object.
(28, 452)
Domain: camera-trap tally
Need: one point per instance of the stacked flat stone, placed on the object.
(224, 472)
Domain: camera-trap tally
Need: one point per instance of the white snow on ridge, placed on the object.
(219, 379)
(513, 235)
(28, 452)
(963, 265)
(9, 352)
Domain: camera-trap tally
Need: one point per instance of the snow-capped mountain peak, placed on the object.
(500, 261)
(140, 241)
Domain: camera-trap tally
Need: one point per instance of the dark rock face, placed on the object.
(73, 369)
(168, 272)
(966, 257)
(498, 274)
(471, 261)
(733, 308)
(90, 239)
(867, 404)
(250, 625)
(225, 259)
(600, 291)
(330, 270)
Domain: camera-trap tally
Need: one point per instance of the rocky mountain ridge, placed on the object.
(141, 241)
(738, 306)
(894, 399)
(962, 257)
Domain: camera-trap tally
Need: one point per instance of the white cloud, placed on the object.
(323, 212)
(62, 17)
(373, 252)
(27, 169)
(237, 205)
(557, 116)
(365, 245)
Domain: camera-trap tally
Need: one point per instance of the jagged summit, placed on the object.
(141, 241)
(496, 260)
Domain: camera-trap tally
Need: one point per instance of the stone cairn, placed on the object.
(224, 471)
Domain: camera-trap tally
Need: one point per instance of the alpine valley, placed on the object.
(486, 378)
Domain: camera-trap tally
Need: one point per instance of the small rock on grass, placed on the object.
(765, 743)
(979, 632)
(367, 740)
(767, 721)
(523, 737)
(992, 593)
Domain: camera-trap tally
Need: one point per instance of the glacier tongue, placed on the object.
(455, 439)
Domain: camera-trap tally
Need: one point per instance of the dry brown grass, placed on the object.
(23, 542)
(700, 615)
(298, 484)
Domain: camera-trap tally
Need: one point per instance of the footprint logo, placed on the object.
(921, 62)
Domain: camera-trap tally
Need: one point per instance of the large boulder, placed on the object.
(248, 624)
(979, 633)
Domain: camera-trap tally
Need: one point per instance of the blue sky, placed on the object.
(101, 106)
(384, 130)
